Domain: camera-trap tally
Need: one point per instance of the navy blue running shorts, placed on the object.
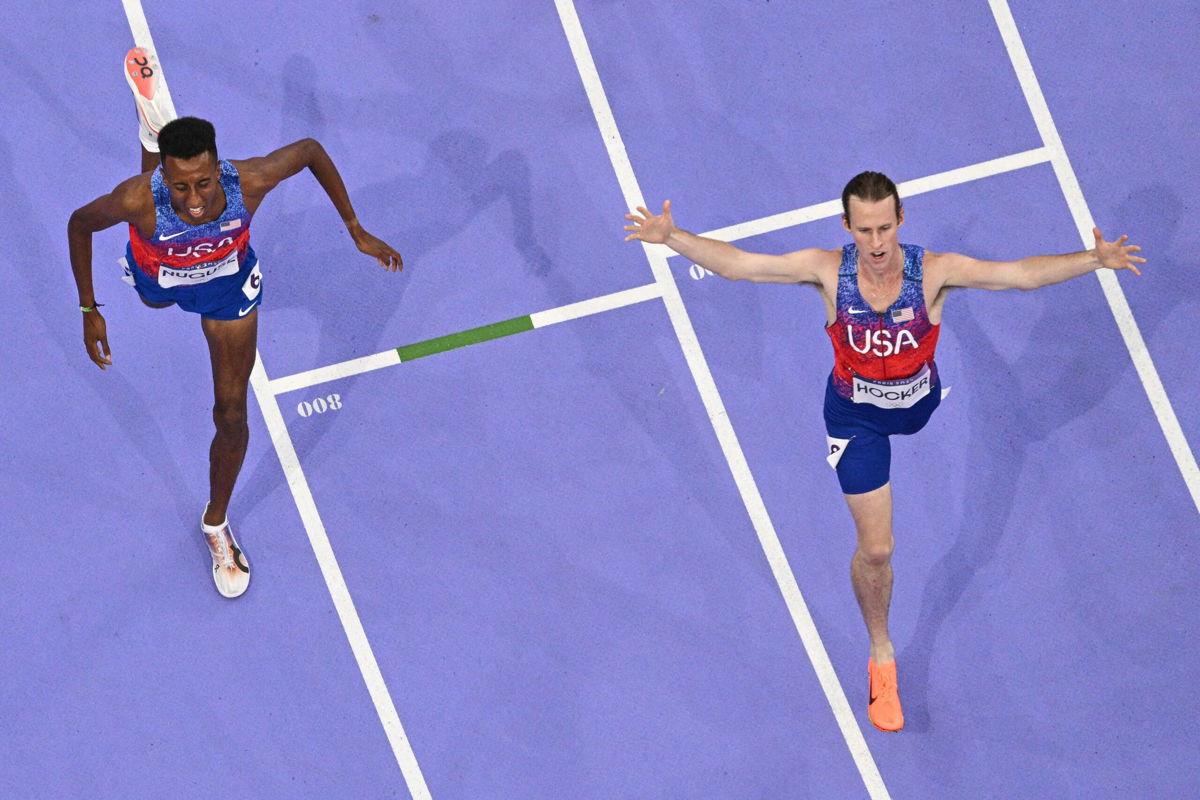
(863, 453)
(228, 297)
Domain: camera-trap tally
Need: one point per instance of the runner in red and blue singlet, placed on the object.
(189, 216)
(209, 268)
(883, 304)
(884, 380)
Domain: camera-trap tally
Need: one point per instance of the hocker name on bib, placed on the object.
(893, 394)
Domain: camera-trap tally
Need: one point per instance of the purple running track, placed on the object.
(550, 559)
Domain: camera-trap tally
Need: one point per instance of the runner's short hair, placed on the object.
(187, 137)
(869, 187)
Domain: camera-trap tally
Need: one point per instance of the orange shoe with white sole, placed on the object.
(153, 106)
(884, 706)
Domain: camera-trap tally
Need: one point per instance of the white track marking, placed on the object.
(596, 305)
(833, 208)
(717, 414)
(336, 584)
(540, 319)
(1121, 311)
(343, 369)
(307, 507)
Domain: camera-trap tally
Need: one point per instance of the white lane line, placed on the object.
(336, 584)
(343, 369)
(717, 414)
(596, 305)
(833, 208)
(315, 529)
(540, 319)
(1184, 457)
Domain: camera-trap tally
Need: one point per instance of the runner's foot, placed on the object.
(142, 75)
(231, 570)
(884, 706)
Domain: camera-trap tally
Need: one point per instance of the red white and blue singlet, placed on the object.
(882, 348)
(210, 269)
(884, 381)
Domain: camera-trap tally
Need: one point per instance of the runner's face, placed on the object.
(875, 228)
(195, 190)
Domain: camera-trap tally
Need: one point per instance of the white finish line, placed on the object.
(540, 319)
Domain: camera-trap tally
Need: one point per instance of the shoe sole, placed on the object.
(141, 98)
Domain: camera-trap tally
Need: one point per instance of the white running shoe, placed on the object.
(154, 111)
(231, 570)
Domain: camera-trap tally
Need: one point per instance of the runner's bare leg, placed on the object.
(231, 346)
(871, 566)
(149, 160)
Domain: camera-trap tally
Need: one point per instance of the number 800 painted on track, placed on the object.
(319, 406)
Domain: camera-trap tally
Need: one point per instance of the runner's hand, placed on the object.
(1115, 255)
(380, 250)
(652, 228)
(95, 338)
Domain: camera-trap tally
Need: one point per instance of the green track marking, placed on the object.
(463, 338)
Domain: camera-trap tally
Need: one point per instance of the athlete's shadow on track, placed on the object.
(1000, 431)
(459, 179)
(417, 213)
(120, 396)
(1065, 371)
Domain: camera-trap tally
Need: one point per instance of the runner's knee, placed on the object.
(230, 417)
(876, 552)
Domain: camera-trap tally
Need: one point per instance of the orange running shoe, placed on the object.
(153, 106)
(884, 706)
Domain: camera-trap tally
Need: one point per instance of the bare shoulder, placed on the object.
(831, 260)
(130, 201)
(251, 174)
(133, 197)
(815, 265)
(940, 267)
(936, 262)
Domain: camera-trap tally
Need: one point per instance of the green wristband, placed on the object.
(86, 309)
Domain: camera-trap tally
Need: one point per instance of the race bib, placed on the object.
(835, 449)
(127, 271)
(201, 273)
(893, 394)
(253, 284)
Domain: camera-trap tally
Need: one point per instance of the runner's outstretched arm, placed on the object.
(723, 258)
(959, 271)
(102, 213)
(261, 175)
